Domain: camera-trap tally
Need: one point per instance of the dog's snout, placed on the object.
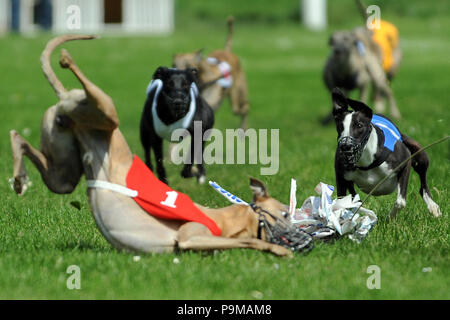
(346, 147)
(178, 101)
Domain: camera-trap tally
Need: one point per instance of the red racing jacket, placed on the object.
(160, 201)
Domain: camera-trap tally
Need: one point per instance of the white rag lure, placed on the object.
(228, 195)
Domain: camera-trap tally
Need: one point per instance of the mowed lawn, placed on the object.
(42, 234)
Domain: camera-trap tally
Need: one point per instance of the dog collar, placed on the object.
(101, 184)
(163, 130)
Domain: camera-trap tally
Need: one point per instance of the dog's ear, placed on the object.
(340, 104)
(160, 73)
(193, 72)
(331, 41)
(199, 55)
(259, 190)
(361, 107)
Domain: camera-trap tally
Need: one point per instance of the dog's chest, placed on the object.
(367, 180)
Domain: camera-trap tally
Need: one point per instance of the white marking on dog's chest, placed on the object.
(370, 149)
(367, 180)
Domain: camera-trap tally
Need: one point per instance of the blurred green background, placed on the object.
(41, 234)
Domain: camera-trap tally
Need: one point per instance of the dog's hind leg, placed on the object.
(403, 179)
(100, 113)
(420, 164)
(52, 177)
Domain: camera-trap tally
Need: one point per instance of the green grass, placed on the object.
(41, 234)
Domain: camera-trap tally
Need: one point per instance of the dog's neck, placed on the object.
(370, 149)
(235, 221)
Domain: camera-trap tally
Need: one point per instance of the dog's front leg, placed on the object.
(201, 175)
(403, 179)
(194, 236)
(342, 185)
(220, 243)
(157, 150)
(187, 171)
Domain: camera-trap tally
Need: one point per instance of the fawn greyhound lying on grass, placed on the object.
(80, 135)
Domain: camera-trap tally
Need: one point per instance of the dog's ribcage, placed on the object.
(367, 180)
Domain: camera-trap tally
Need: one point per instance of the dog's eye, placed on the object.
(284, 214)
(359, 125)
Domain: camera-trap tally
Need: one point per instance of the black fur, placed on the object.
(173, 104)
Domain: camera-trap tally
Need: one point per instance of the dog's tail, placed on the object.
(228, 42)
(45, 60)
(414, 147)
(362, 9)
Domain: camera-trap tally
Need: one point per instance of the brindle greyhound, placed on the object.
(80, 135)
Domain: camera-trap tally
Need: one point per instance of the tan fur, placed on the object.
(80, 135)
(213, 93)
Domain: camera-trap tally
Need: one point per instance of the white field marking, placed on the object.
(370, 149)
(347, 122)
(431, 205)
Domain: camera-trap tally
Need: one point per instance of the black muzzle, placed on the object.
(350, 151)
(281, 232)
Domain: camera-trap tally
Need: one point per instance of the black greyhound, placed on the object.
(173, 103)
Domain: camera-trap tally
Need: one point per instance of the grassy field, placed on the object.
(41, 234)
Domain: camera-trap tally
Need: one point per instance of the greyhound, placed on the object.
(80, 135)
(369, 148)
(221, 75)
(362, 57)
(173, 103)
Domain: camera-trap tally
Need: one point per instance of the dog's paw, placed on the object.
(187, 173)
(201, 179)
(432, 206)
(281, 251)
(20, 184)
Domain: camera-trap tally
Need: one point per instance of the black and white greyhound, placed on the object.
(369, 148)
